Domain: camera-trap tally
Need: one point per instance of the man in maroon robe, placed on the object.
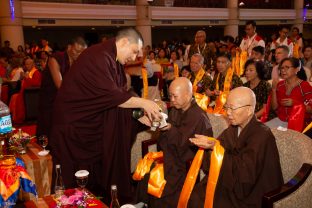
(92, 119)
(251, 165)
(185, 120)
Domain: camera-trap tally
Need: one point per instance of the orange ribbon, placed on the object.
(156, 182)
(145, 83)
(296, 50)
(202, 100)
(221, 99)
(237, 59)
(242, 61)
(190, 179)
(216, 160)
(214, 170)
(307, 128)
(198, 77)
(176, 70)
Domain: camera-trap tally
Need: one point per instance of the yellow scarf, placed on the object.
(198, 77)
(242, 61)
(214, 170)
(296, 50)
(221, 99)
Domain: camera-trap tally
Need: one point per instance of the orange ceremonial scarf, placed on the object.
(214, 171)
(145, 83)
(198, 77)
(296, 50)
(221, 99)
(156, 182)
(242, 61)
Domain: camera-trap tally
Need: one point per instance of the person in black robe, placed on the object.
(92, 118)
(251, 165)
(52, 76)
(185, 120)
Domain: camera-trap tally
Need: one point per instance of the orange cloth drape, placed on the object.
(198, 77)
(242, 61)
(145, 83)
(296, 50)
(214, 170)
(221, 99)
(156, 182)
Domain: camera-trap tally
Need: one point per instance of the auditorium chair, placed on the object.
(295, 151)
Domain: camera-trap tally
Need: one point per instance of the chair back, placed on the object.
(218, 122)
(294, 149)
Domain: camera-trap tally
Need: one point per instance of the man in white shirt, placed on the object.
(252, 39)
(283, 40)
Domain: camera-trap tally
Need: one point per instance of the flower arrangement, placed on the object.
(19, 140)
(75, 198)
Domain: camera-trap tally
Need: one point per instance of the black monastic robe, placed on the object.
(89, 130)
(250, 168)
(178, 151)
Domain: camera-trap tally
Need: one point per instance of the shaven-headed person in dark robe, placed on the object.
(251, 165)
(93, 126)
(185, 120)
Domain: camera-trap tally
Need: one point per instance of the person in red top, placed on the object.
(32, 78)
(252, 39)
(291, 97)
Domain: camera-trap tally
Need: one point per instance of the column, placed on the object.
(143, 21)
(232, 23)
(11, 28)
(299, 14)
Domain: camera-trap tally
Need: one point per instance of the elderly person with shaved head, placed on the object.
(250, 166)
(186, 119)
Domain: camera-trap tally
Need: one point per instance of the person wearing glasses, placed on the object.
(291, 97)
(250, 164)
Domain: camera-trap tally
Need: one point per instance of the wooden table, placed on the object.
(39, 169)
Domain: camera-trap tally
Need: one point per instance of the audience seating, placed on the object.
(296, 160)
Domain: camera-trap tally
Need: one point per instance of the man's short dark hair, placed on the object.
(305, 47)
(296, 28)
(79, 40)
(283, 27)
(225, 55)
(284, 48)
(133, 35)
(259, 49)
(251, 22)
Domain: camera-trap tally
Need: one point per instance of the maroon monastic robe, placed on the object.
(89, 130)
(250, 168)
(178, 151)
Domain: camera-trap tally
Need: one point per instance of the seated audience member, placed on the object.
(186, 72)
(250, 162)
(223, 81)
(258, 54)
(291, 97)
(254, 72)
(307, 55)
(201, 81)
(32, 78)
(185, 120)
(162, 57)
(175, 59)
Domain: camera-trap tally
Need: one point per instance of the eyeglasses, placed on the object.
(228, 108)
(286, 67)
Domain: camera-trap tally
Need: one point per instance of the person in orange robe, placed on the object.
(32, 78)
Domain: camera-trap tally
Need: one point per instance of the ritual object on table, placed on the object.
(13, 175)
(75, 198)
(19, 140)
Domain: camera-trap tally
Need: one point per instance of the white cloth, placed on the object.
(248, 43)
(286, 42)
